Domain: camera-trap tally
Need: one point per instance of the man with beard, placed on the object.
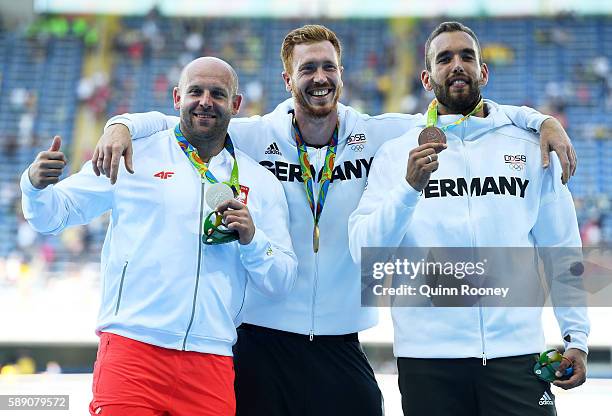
(301, 355)
(469, 360)
(181, 253)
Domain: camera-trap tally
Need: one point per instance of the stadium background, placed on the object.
(66, 66)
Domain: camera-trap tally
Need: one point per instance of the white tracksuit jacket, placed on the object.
(160, 284)
(539, 212)
(326, 297)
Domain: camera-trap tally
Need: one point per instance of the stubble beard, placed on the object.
(196, 136)
(316, 111)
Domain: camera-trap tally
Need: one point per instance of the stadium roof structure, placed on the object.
(327, 8)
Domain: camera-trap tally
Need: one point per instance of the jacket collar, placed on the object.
(281, 119)
(475, 126)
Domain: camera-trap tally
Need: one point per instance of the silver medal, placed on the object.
(218, 193)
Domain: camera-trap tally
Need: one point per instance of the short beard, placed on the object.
(214, 133)
(315, 111)
(462, 105)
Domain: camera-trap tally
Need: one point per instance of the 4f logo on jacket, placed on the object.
(163, 175)
(440, 188)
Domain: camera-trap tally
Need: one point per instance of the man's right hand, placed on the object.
(114, 143)
(48, 165)
(422, 162)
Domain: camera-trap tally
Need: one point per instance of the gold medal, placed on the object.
(315, 238)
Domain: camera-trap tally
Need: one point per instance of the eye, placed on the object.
(307, 69)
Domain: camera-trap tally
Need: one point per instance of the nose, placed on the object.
(206, 99)
(319, 76)
(457, 64)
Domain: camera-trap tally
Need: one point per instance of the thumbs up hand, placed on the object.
(48, 165)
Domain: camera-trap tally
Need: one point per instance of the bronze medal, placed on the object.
(431, 135)
(315, 238)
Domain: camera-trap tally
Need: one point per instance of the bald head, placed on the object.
(207, 98)
(209, 65)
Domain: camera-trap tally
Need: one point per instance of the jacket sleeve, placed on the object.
(557, 236)
(525, 118)
(75, 200)
(144, 124)
(269, 257)
(385, 210)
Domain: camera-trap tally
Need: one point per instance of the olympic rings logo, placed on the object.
(516, 162)
(357, 147)
(516, 166)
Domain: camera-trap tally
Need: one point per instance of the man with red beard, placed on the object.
(301, 355)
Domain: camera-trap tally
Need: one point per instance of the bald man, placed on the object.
(197, 228)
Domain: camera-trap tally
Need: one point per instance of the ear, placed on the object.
(426, 80)
(176, 96)
(287, 79)
(484, 74)
(236, 101)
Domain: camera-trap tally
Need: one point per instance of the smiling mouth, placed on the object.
(320, 92)
(204, 116)
(458, 83)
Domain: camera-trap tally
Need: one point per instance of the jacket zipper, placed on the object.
(314, 295)
(195, 292)
(482, 334)
(121, 288)
(473, 238)
(316, 255)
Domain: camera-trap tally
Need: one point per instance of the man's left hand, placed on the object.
(236, 216)
(577, 359)
(554, 138)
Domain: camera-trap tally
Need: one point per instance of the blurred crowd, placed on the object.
(33, 260)
(22, 363)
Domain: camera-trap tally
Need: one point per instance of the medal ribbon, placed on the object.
(307, 178)
(198, 163)
(432, 115)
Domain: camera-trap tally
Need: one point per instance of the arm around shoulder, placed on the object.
(143, 124)
(556, 233)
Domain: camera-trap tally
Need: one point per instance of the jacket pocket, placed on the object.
(121, 288)
(100, 357)
(241, 304)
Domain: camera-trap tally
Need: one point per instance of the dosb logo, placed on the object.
(356, 142)
(515, 162)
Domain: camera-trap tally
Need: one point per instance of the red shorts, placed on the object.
(137, 379)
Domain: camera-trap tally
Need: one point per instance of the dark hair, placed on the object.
(449, 27)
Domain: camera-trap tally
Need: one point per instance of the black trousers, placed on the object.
(464, 387)
(285, 374)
